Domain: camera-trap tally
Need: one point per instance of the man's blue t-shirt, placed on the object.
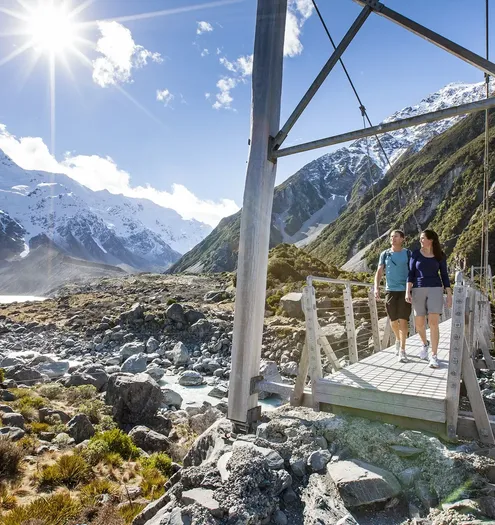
(396, 269)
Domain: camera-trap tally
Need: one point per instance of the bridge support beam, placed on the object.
(256, 210)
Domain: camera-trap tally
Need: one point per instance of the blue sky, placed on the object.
(160, 105)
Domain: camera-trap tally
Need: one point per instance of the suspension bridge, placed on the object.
(374, 385)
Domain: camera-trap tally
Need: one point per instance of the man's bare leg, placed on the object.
(403, 332)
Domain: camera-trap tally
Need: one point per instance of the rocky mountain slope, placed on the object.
(97, 226)
(315, 196)
(441, 188)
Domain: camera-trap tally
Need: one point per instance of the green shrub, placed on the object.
(7, 500)
(52, 390)
(152, 483)
(37, 427)
(106, 423)
(10, 458)
(160, 461)
(31, 401)
(28, 444)
(118, 442)
(90, 493)
(69, 470)
(78, 394)
(113, 459)
(171, 301)
(130, 511)
(51, 510)
(95, 409)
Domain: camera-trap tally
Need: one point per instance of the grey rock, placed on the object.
(23, 374)
(193, 316)
(133, 348)
(171, 398)
(274, 460)
(204, 498)
(155, 371)
(408, 476)
(191, 378)
(133, 398)
(179, 355)
(11, 361)
(405, 452)
(279, 518)
(45, 413)
(5, 395)
(13, 419)
(298, 467)
(80, 428)
(360, 483)
(79, 379)
(318, 460)
(200, 422)
(219, 391)
(55, 369)
(12, 433)
(135, 364)
(211, 444)
(6, 409)
(291, 305)
(175, 312)
(152, 345)
(201, 328)
(149, 440)
(131, 316)
(425, 495)
(291, 368)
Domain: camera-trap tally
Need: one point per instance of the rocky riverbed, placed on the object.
(100, 398)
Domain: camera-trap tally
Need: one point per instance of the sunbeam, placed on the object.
(16, 52)
(166, 12)
(14, 14)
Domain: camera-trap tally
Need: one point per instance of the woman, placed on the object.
(428, 277)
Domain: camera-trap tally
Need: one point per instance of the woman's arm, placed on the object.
(444, 274)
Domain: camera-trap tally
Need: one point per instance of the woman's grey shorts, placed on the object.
(427, 301)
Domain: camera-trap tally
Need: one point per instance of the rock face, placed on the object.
(149, 440)
(362, 484)
(133, 398)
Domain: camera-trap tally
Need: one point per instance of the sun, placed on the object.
(51, 29)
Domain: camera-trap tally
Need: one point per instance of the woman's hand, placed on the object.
(449, 299)
(408, 297)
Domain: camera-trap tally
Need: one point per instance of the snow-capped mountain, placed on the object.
(314, 196)
(93, 225)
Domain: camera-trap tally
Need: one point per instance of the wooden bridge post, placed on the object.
(456, 351)
(350, 326)
(312, 334)
(374, 320)
(256, 211)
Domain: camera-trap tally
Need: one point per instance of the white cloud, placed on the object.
(305, 8)
(241, 68)
(164, 96)
(99, 173)
(120, 55)
(204, 27)
(205, 52)
(292, 44)
(245, 65)
(223, 98)
(207, 95)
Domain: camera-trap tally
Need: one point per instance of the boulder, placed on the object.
(133, 398)
(134, 314)
(133, 348)
(175, 312)
(12, 433)
(204, 498)
(200, 422)
(11, 361)
(13, 419)
(291, 368)
(44, 413)
(152, 345)
(171, 398)
(201, 329)
(80, 428)
(135, 364)
(318, 460)
(79, 379)
(54, 369)
(155, 371)
(360, 483)
(23, 374)
(149, 440)
(179, 355)
(210, 445)
(193, 316)
(291, 305)
(191, 378)
(273, 459)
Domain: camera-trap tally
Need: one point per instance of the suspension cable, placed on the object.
(372, 185)
(365, 116)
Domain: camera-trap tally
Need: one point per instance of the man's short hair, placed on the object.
(400, 232)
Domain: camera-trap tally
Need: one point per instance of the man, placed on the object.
(395, 262)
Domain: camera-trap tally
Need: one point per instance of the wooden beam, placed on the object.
(374, 320)
(476, 399)
(466, 426)
(301, 378)
(433, 116)
(350, 325)
(444, 43)
(457, 338)
(257, 207)
(312, 328)
(387, 334)
(322, 75)
(327, 348)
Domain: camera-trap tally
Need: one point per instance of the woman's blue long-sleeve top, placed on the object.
(427, 271)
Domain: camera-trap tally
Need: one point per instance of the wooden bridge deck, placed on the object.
(381, 384)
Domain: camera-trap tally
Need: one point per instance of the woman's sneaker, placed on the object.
(402, 357)
(423, 354)
(434, 361)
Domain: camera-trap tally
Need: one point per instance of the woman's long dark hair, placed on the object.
(437, 249)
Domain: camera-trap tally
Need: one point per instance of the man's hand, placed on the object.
(377, 294)
(408, 297)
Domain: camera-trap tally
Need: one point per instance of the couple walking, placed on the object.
(414, 278)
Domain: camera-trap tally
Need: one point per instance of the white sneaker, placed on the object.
(423, 354)
(397, 347)
(434, 361)
(403, 357)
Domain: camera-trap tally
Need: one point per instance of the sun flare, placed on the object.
(51, 29)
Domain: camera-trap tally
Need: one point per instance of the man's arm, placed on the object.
(378, 279)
